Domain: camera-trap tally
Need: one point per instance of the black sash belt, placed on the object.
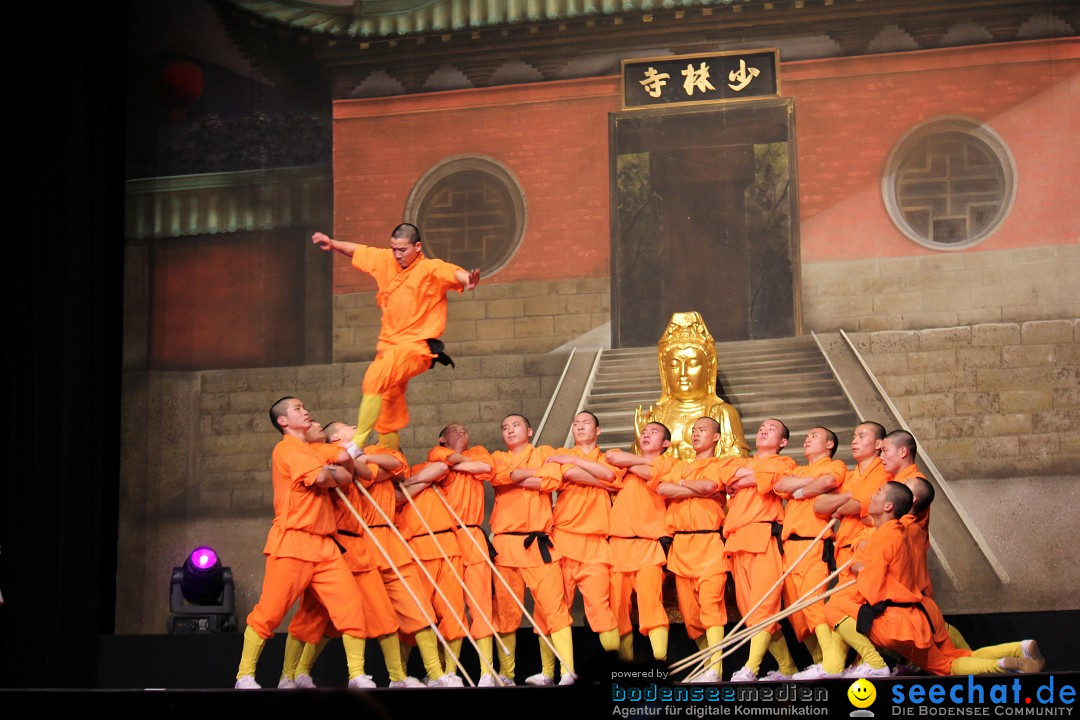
(433, 532)
(543, 542)
(437, 348)
(828, 550)
(867, 614)
(492, 552)
(375, 526)
(339, 545)
(698, 532)
(346, 533)
(777, 532)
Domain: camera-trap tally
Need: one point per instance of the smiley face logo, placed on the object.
(862, 693)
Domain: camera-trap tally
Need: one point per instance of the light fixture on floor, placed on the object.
(201, 595)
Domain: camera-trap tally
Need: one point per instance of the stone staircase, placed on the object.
(786, 378)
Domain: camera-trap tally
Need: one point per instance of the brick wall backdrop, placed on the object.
(991, 400)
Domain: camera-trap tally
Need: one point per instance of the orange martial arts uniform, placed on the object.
(414, 308)
(638, 521)
(752, 548)
(581, 522)
(465, 494)
(409, 615)
(299, 551)
(801, 526)
(696, 557)
(521, 522)
(450, 603)
(915, 630)
(311, 621)
(917, 530)
(862, 485)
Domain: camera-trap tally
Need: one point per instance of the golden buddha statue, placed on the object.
(687, 357)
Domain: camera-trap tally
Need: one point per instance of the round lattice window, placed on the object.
(470, 211)
(949, 183)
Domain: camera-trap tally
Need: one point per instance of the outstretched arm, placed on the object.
(325, 242)
(467, 279)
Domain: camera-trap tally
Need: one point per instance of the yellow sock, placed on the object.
(834, 655)
(404, 650)
(390, 440)
(957, 639)
(814, 646)
(429, 652)
(508, 660)
(391, 652)
(779, 650)
(759, 645)
(996, 652)
(310, 654)
(626, 647)
(249, 656)
(974, 666)
(609, 640)
(861, 643)
(450, 658)
(547, 658)
(354, 654)
(370, 405)
(487, 659)
(658, 639)
(714, 636)
(293, 649)
(823, 634)
(701, 641)
(563, 641)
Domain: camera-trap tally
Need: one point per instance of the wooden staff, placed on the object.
(457, 576)
(386, 556)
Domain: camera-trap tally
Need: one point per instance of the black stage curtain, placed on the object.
(64, 283)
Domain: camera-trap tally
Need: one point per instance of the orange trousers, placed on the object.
(389, 375)
(331, 583)
(701, 601)
(594, 581)
(648, 584)
(545, 584)
(754, 574)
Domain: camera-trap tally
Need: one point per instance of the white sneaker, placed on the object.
(814, 672)
(744, 674)
(568, 679)
(540, 680)
(709, 676)
(775, 676)
(304, 682)
(487, 680)
(1031, 651)
(449, 680)
(361, 682)
(866, 671)
(286, 683)
(507, 681)
(247, 682)
(408, 682)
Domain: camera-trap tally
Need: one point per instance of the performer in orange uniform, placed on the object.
(521, 523)
(893, 615)
(851, 505)
(412, 295)
(581, 522)
(299, 550)
(821, 474)
(441, 555)
(898, 456)
(470, 467)
(695, 515)
(637, 557)
(388, 467)
(752, 533)
(311, 628)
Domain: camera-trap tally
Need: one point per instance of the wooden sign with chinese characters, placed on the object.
(696, 79)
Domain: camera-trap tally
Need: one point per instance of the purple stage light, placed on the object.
(203, 557)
